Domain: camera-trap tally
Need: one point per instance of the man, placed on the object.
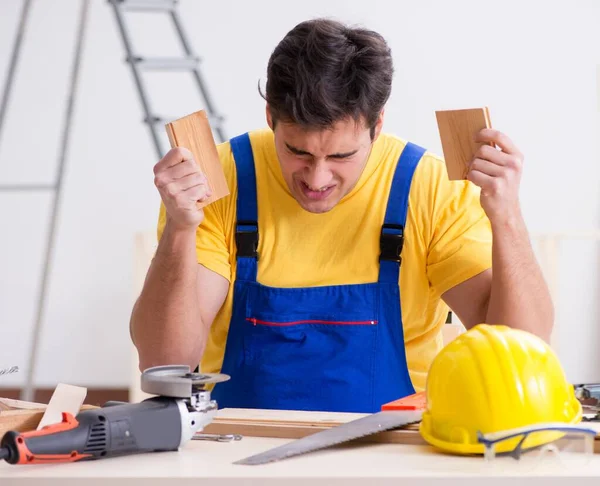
(323, 281)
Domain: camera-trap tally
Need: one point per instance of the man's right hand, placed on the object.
(181, 185)
(172, 317)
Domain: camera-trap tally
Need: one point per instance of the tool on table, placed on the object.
(164, 422)
(589, 396)
(218, 437)
(8, 371)
(472, 391)
(566, 444)
(394, 415)
(457, 130)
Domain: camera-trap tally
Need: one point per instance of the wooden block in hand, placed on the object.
(193, 132)
(457, 131)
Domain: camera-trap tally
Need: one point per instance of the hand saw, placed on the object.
(393, 415)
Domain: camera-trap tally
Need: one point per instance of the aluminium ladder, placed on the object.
(188, 63)
(55, 188)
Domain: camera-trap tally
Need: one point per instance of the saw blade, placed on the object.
(378, 422)
(206, 378)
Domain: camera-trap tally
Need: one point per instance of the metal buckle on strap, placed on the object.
(391, 244)
(247, 240)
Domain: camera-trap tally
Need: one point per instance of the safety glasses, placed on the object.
(567, 444)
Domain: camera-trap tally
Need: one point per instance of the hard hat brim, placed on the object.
(477, 448)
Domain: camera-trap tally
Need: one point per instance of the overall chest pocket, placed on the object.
(316, 347)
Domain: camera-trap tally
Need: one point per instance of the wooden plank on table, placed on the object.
(9, 404)
(410, 435)
(194, 133)
(407, 436)
(457, 129)
(20, 420)
(23, 420)
(300, 417)
(290, 424)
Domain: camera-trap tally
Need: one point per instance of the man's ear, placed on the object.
(269, 117)
(379, 125)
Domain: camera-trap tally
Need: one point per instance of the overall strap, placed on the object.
(392, 232)
(246, 230)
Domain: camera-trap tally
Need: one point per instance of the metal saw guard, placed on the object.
(177, 381)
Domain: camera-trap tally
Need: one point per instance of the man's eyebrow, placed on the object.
(343, 155)
(298, 151)
(295, 150)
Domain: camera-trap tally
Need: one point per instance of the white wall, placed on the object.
(532, 62)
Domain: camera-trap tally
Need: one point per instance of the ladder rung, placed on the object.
(146, 5)
(27, 187)
(165, 63)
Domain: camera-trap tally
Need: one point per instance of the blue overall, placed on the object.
(330, 348)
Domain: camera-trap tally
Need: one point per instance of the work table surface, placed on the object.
(202, 462)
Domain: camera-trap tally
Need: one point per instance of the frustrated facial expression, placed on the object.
(321, 166)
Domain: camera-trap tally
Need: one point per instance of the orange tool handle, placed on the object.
(61, 442)
(416, 401)
(155, 424)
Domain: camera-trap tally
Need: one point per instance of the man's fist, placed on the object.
(181, 185)
(498, 172)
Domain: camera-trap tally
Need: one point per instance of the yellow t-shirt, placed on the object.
(447, 241)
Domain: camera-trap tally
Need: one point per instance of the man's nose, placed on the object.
(317, 176)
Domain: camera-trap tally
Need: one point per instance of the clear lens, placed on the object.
(547, 447)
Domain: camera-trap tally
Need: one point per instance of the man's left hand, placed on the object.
(498, 173)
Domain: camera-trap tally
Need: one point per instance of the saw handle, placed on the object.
(416, 401)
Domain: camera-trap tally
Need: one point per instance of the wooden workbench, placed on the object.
(210, 463)
(397, 457)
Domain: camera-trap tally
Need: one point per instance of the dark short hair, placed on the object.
(323, 71)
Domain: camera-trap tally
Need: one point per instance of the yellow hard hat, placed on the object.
(491, 379)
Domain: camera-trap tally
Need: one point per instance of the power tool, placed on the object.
(181, 407)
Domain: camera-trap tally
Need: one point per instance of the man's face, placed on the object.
(321, 166)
